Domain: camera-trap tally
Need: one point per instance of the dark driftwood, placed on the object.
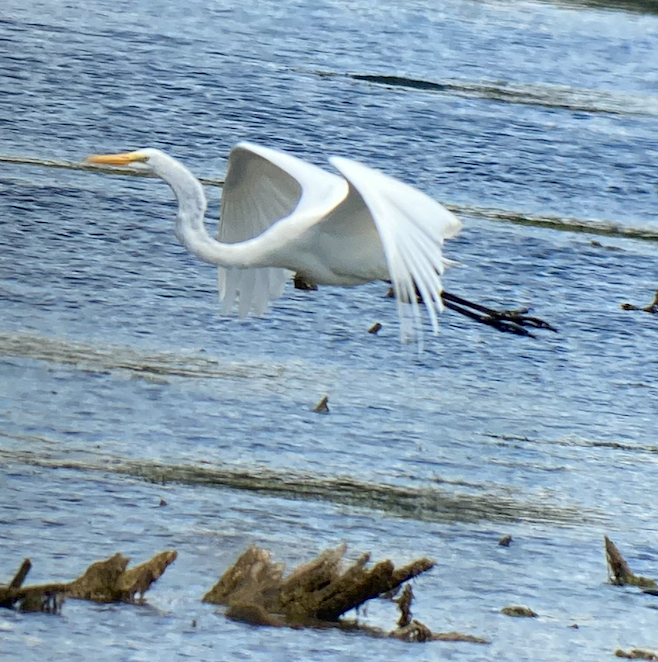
(20, 576)
(109, 581)
(104, 581)
(636, 654)
(404, 605)
(323, 406)
(417, 632)
(318, 593)
(650, 308)
(47, 598)
(315, 591)
(619, 572)
(518, 611)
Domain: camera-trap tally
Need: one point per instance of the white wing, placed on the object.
(263, 186)
(412, 227)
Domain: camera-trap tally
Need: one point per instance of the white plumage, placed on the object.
(281, 215)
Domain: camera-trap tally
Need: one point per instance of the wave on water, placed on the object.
(635, 6)
(106, 358)
(565, 224)
(428, 504)
(88, 167)
(581, 442)
(550, 96)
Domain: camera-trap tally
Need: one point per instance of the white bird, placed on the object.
(281, 215)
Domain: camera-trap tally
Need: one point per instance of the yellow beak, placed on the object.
(116, 159)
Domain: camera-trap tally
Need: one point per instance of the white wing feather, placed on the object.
(264, 186)
(412, 227)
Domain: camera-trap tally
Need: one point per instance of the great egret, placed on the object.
(281, 215)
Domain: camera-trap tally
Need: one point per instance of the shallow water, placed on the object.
(120, 384)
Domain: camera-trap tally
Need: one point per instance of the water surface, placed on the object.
(121, 385)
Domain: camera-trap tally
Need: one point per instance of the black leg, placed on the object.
(513, 321)
(508, 321)
(505, 325)
(303, 283)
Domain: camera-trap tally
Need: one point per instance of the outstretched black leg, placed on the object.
(506, 325)
(511, 321)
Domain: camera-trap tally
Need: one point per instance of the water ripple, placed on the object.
(427, 504)
(41, 348)
(564, 224)
(86, 167)
(548, 96)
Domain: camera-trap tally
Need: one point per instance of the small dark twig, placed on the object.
(404, 605)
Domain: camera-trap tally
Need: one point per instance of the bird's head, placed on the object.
(151, 159)
(152, 162)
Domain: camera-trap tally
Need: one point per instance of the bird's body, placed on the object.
(281, 215)
(263, 187)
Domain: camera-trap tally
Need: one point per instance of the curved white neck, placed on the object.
(190, 222)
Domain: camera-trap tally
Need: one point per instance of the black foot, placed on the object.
(520, 317)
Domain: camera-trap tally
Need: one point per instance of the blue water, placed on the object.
(117, 374)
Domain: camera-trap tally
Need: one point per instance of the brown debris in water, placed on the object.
(650, 308)
(319, 593)
(459, 637)
(404, 605)
(323, 406)
(47, 598)
(103, 581)
(618, 571)
(517, 611)
(109, 581)
(21, 574)
(636, 654)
